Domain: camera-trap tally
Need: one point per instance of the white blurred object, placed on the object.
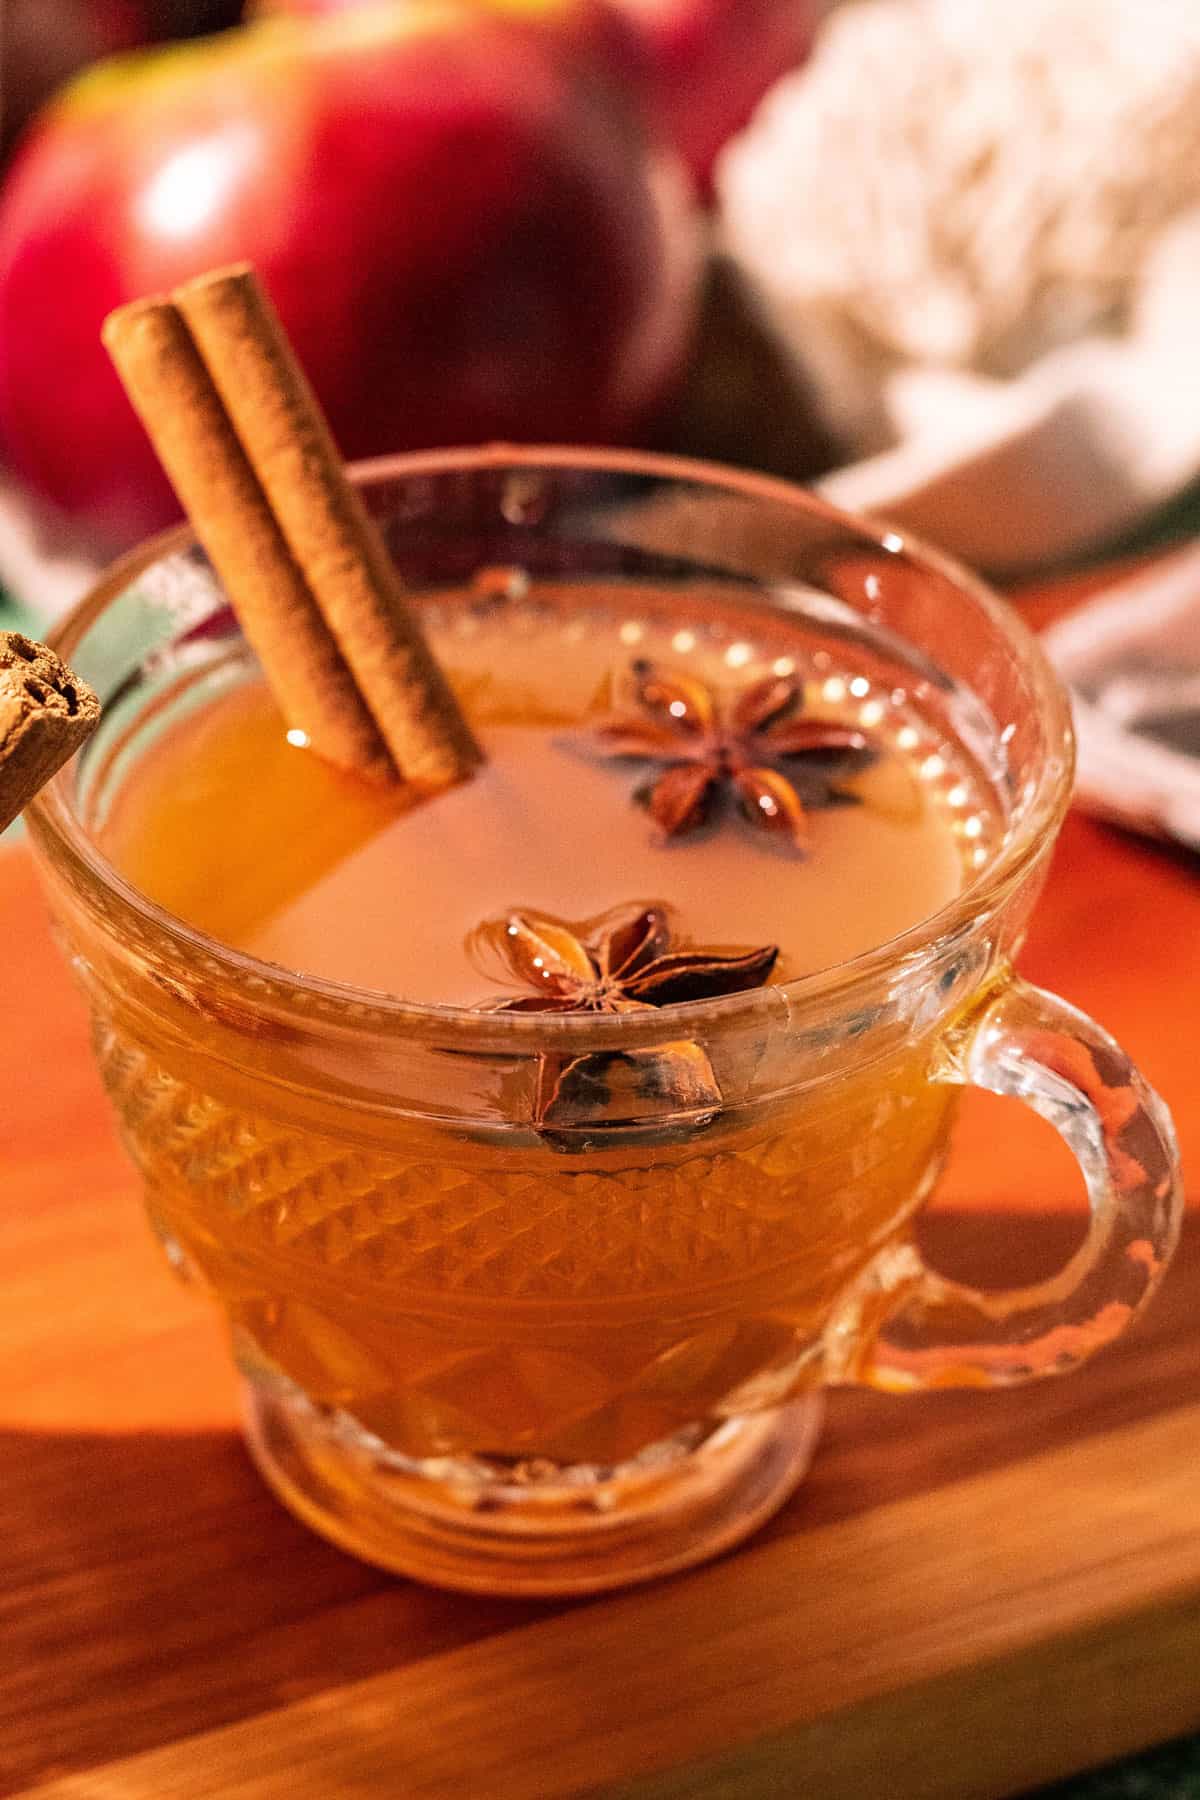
(977, 229)
(44, 567)
(1132, 660)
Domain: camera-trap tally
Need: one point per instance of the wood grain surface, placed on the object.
(971, 1593)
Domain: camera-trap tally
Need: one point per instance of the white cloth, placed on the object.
(1132, 660)
(977, 231)
(44, 566)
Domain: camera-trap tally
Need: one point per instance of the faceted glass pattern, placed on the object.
(459, 1298)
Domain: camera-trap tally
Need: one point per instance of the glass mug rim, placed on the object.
(59, 826)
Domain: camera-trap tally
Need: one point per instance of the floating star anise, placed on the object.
(754, 748)
(619, 963)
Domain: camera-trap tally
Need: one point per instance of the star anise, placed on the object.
(618, 963)
(753, 748)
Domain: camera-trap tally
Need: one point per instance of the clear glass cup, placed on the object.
(506, 1362)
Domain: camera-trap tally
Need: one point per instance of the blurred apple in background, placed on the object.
(42, 42)
(467, 235)
(711, 62)
(585, 29)
(702, 66)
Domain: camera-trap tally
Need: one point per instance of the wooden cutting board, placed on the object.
(971, 1593)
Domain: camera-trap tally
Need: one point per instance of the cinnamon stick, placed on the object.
(46, 713)
(325, 524)
(173, 393)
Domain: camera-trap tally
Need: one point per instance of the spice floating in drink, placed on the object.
(622, 962)
(753, 747)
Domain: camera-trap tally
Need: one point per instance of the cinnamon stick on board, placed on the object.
(46, 713)
(219, 339)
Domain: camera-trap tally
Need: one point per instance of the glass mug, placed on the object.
(503, 1363)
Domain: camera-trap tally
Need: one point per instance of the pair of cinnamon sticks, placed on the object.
(213, 377)
(239, 431)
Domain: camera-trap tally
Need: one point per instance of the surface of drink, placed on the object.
(258, 842)
(450, 1292)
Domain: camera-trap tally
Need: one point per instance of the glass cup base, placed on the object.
(533, 1528)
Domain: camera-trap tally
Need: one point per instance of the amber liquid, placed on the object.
(474, 1294)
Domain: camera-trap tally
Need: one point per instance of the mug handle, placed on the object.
(902, 1326)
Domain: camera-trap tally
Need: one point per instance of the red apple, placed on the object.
(702, 66)
(465, 237)
(711, 62)
(588, 28)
